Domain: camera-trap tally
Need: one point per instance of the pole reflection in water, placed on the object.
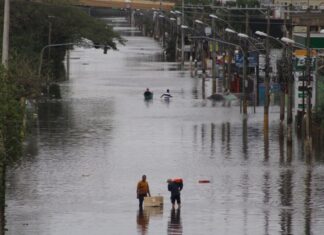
(226, 139)
(203, 135)
(245, 196)
(308, 203)
(266, 145)
(245, 139)
(175, 224)
(266, 200)
(212, 138)
(286, 199)
(266, 189)
(281, 145)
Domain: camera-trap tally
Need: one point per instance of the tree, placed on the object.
(33, 22)
(30, 24)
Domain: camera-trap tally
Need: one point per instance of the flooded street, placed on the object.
(88, 150)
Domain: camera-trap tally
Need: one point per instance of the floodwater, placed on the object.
(87, 151)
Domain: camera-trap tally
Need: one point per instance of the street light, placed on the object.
(213, 16)
(287, 40)
(245, 61)
(261, 34)
(42, 52)
(199, 22)
(289, 79)
(230, 30)
(242, 35)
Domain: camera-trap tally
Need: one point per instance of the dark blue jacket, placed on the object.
(175, 188)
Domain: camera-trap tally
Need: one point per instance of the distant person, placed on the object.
(148, 94)
(142, 191)
(167, 94)
(175, 187)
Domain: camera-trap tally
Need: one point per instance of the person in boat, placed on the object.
(166, 94)
(142, 191)
(175, 186)
(148, 94)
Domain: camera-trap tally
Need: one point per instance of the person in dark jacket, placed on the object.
(175, 187)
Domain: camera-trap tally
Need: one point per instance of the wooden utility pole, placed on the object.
(267, 76)
(290, 83)
(214, 58)
(283, 76)
(309, 92)
(245, 64)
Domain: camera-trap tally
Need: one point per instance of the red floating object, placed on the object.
(203, 181)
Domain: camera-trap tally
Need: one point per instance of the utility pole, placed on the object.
(229, 64)
(203, 58)
(283, 75)
(309, 92)
(214, 55)
(267, 77)
(182, 35)
(5, 40)
(245, 64)
(290, 83)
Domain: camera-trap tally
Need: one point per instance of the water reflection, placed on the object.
(175, 224)
(266, 145)
(266, 200)
(80, 143)
(148, 103)
(245, 139)
(286, 199)
(308, 203)
(143, 218)
(226, 139)
(281, 144)
(212, 137)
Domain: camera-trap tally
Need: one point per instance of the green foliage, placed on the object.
(11, 116)
(31, 23)
(248, 3)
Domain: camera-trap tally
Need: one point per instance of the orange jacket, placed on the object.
(143, 188)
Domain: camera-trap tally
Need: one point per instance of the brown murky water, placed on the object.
(88, 150)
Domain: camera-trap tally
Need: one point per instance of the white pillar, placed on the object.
(5, 40)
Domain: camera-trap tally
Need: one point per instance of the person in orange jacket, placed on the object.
(142, 191)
